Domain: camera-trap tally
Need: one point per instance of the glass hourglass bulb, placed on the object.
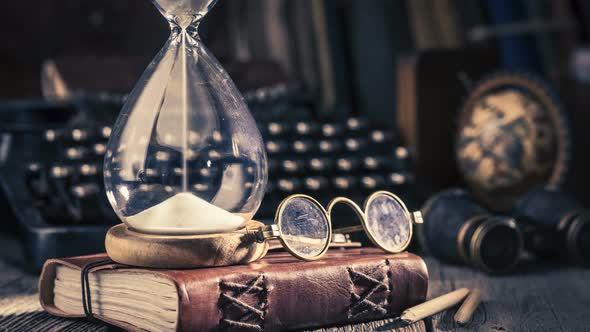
(185, 155)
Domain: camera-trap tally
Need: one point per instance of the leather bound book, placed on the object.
(276, 293)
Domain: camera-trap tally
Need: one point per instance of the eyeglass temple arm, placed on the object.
(349, 229)
(265, 233)
(416, 218)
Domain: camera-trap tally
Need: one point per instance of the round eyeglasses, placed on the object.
(304, 227)
(385, 219)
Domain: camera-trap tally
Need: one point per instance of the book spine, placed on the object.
(446, 18)
(277, 34)
(471, 15)
(538, 11)
(330, 46)
(374, 60)
(565, 41)
(518, 51)
(302, 298)
(422, 24)
(300, 24)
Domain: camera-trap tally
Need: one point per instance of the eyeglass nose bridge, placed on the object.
(357, 210)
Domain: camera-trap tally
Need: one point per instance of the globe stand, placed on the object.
(129, 247)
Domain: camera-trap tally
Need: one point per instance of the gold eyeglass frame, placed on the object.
(413, 218)
(274, 231)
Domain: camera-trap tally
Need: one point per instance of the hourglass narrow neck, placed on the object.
(185, 24)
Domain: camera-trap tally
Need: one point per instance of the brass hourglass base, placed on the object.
(129, 247)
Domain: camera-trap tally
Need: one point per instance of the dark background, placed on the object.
(360, 42)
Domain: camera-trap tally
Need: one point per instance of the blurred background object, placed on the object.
(457, 229)
(555, 225)
(351, 96)
(513, 135)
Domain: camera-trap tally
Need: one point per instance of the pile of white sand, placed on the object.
(185, 213)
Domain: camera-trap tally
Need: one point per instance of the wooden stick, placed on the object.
(433, 306)
(463, 315)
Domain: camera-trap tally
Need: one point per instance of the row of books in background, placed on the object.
(349, 55)
(345, 50)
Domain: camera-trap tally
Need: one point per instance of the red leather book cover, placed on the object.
(278, 292)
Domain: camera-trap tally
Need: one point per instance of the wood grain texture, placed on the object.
(378, 325)
(466, 310)
(126, 246)
(538, 296)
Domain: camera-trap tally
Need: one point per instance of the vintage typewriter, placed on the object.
(51, 158)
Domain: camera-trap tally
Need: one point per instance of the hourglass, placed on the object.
(185, 159)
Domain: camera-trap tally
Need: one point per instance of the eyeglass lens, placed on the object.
(388, 222)
(304, 227)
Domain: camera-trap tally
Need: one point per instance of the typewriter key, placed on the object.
(105, 132)
(402, 153)
(292, 166)
(213, 155)
(79, 135)
(329, 146)
(372, 181)
(288, 185)
(355, 144)
(205, 172)
(304, 128)
(320, 164)
(397, 179)
(380, 136)
(194, 137)
(356, 124)
(316, 183)
(344, 182)
(371, 163)
(332, 130)
(216, 137)
(99, 149)
(52, 135)
(347, 164)
(34, 168)
(88, 170)
(302, 146)
(59, 172)
(201, 187)
(274, 147)
(275, 129)
(85, 190)
(162, 156)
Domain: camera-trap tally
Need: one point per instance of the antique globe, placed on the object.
(512, 137)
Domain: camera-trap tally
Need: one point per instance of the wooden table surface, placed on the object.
(536, 297)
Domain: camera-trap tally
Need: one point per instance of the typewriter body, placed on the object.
(52, 156)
